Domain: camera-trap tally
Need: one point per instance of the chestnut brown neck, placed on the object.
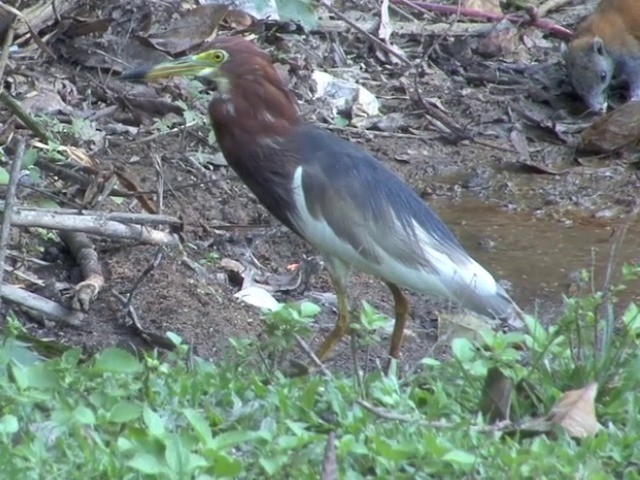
(255, 106)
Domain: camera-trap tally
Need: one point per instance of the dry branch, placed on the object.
(44, 306)
(8, 209)
(95, 224)
(83, 251)
(15, 108)
(531, 18)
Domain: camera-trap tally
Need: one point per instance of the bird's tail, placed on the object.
(477, 290)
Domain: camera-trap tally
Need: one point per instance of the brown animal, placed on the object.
(604, 45)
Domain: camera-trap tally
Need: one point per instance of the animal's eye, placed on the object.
(217, 56)
(603, 76)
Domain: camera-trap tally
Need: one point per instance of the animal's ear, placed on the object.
(598, 46)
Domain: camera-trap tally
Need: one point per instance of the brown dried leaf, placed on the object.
(501, 40)
(497, 393)
(152, 107)
(80, 27)
(234, 270)
(195, 27)
(238, 20)
(575, 411)
(613, 131)
(490, 6)
(463, 325)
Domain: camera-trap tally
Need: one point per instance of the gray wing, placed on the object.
(378, 215)
(365, 203)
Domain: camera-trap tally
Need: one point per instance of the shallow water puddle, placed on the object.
(538, 256)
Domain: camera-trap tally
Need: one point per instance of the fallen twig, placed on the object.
(95, 224)
(86, 257)
(372, 38)
(532, 17)
(44, 306)
(159, 256)
(121, 217)
(15, 108)
(551, 5)
(312, 356)
(150, 337)
(8, 40)
(330, 463)
(14, 176)
(396, 417)
(34, 36)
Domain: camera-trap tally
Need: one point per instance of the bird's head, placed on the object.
(248, 86)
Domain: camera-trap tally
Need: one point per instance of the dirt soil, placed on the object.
(523, 200)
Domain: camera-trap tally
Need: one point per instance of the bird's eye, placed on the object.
(603, 76)
(217, 56)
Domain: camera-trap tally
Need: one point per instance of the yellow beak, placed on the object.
(191, 66)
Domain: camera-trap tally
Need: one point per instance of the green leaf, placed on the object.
(125, 411)
(115, 360)
(153, 422)
(226, 466)
(4, 176)
(83, 415)
(309, 309)
(272, 464)
(631, 318)
(459, 457)
(463, 349)
(233, 438)
(430, 362)
(299, 11)
(9, 424)
(146, 463)
(47, 203)
(20, 352)
(38, 376)
(200, 425)
(177, 456)
(29, 158)
(175, 339)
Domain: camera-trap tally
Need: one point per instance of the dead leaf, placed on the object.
(110, 52)
(520, 143)
(575, 411)
(613, 131)
(258, 297)
(234, 270)
(80, 27)
(489, 6)
(500, 41)
(497, 393)
(238, 20)
(463, 325)
(195, 26)
(540, 169)
(142, 107)
(385, 30)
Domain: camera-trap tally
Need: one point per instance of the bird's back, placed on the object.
(364, 214)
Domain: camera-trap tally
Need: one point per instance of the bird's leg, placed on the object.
(340, 327)
(402, 315)
(339, 273)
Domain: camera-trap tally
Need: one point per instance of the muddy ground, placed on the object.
(523, 200)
